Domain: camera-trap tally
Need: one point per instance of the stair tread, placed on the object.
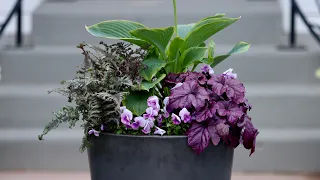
(253, 89)
(64, 134)
(156, 7)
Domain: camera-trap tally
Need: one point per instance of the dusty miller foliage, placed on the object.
(95, 94)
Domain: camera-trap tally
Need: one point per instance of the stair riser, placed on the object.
(253, 28)
(63, 155)
(268, 111)
(259, 66)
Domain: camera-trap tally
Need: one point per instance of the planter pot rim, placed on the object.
(147, 136)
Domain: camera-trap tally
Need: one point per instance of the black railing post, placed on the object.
(292, 40)
(19, 24)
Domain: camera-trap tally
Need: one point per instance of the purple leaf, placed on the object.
(206, 112)
(216, 84)
(229, 109)
(198, 137)
(249, 137)
(235, 90)
(187, 95)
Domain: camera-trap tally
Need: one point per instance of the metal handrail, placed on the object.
(16, 10)
(295, 9)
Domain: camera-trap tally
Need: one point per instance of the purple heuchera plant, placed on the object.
(216, 107)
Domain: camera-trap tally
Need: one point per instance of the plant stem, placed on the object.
(175, 17)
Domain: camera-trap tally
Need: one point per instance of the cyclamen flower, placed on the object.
(92, 131)
(102, 127)
(138, 122)
(159, 131)
(126, 117)
(229, 73)
(153, 102)
(185, 115)
(207, 69)
(175, 119)
(151, 113)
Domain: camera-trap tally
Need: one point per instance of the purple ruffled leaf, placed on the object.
(206, 112)
(187, 95)
(249, 137)
(229, 109)
(235, 90)
(198, 137)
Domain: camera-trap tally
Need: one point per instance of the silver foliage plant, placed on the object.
(106, 75)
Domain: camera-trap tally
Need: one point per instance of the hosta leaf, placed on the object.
(148, 85)
(185, 29)
(174, 48)
(191, 55)
(157, 37)
(153, 65)
(205, 31)
(136, 102)
(239, 48)
(205, 20)
(116, 29)
(211, 49)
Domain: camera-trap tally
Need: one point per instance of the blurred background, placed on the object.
(38, 50)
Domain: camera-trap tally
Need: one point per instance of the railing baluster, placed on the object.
(17, 10)
(292, 41)
(19, 24)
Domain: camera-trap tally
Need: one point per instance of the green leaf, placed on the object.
(153, 65)
(191, 55)
(211, 49)
(116, 29)
(185, 29)
(205, 31)
(174, 48)
(136, 102)
(239, 48)
(158, 37)
(205, 20)
(148, 85)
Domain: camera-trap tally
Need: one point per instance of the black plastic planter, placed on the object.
(122, 157)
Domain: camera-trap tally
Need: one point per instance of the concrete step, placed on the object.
(274, 105)
(261, 64)
(60, 23)
(278, 150)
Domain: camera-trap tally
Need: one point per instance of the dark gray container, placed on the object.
(124, 157)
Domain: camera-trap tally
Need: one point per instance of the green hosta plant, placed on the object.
(173, 49)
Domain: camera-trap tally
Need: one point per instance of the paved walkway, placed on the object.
(23, 175)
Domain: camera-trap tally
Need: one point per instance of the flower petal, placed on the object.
(175, 119)
(159, 131)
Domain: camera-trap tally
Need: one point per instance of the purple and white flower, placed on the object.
(175, 119)
(92, 131)
(166, 102)
(153, 102)
(207, 69)
(159, 131)
(122, 108)
(138, 122)
(147, 128)
(150, 113)
(102, 127)
(177, 85)
(126, 117)
(185, 115)
(229, 73)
